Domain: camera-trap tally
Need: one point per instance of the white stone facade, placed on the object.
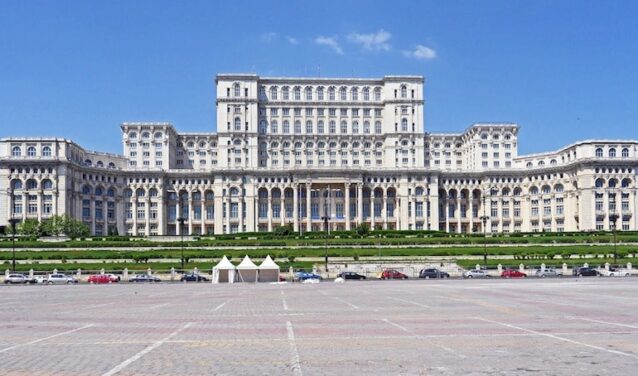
(296, 150)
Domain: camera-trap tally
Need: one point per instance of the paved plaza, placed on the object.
(563, 327)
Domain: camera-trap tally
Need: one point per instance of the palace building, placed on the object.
(293, 151)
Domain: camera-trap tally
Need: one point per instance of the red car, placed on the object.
(100, 278)
(392, 274)
(512, 273)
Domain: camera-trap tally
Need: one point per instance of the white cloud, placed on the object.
(330, 42)
(292, 40)
(373, 41)
(268, 37)
(421, 52)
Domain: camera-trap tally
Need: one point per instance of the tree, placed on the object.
(29, 227)
(75, 229)
(363, 229)
(53, 226)
(284, 230)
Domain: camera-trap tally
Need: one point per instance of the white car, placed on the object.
(615, 272)
(18, 278)
(474, 273)
(60, 279)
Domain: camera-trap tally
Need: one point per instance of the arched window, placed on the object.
(308, 127)
(286, 129)
(530, 165)
(558, 188)
(342, 94)
(16, 151)
(152, 192)
(146, 135)
(31, 151)
(110, 192)
(600, 182)
(404, 91)
(47, 184)
(418, 191)
(16, 184)
(333, 127)
(308, 93)
(377, 94)
(553, 162)
(132, 135)
(98, 191)
(297, 93)
(377, 127)
(274, 127)
(140, 192)
(625, 183)
(613, 183)
(297, 127)
(158, 135)
(366, 94)
(86, 190)
(285, 93)
(99, 164)
(599, 153)
(355, 127)
(355, 94)
(612, 153)
(320, 93)
(625, 153)
(111, 165)
(237, 124)
(46, 151)
(533, 191)
(87, 162)
(331, 93)
(32, 184)
(234, 192)
(546, 189)
(236, 90)
(128, 192)
(404, 125)
(344, 127)
(273, 93)
(541, 163)
(320, 129)
(263, 126)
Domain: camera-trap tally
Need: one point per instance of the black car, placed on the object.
(140, 278)
(433, 273)
(351, 275)
(192, 277)
(586, 272)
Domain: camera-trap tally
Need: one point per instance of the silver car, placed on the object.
(17, 278)
(474, 273)
(60, 279)
(548, 273)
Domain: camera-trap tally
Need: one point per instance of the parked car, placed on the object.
(586, 272)
(17, 278)
(302, 276)
(61, 279)
(475, 273)
(192, 277)
(392, 274)
(548, 272)
(512, 273)
(433, 273)
(614, 272)
(99, 279)
(351, 275)
(140, 278)
(114, 277)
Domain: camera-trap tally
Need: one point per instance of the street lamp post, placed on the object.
(613, 217)
(484, 219)
(325, 222)
(13, 222)
(181, 232)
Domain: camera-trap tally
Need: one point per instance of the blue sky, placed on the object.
(563, 70)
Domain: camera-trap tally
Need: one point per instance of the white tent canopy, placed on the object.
(268, 271)
(224, 271)
(247, 270)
